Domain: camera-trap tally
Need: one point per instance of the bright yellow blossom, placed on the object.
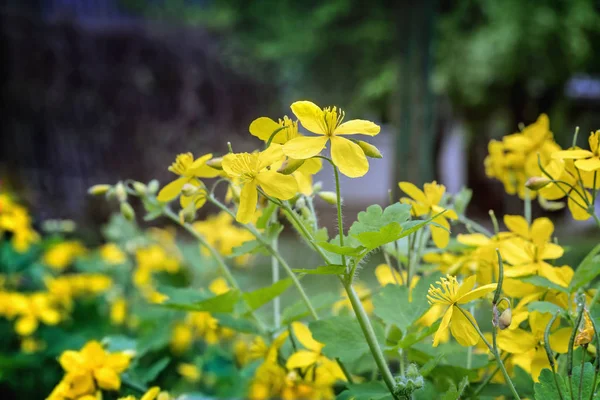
(346, 154)
(189, 171)
(264, 127)
(585, 160)
(452, 294)
(426, 203)
(221, 233)
(189, 372)
(61, 255)
(253, 171)
(154, 393)
(112, 254)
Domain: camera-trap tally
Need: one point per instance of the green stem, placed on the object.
(275, 276)
(494, 353)
(275, 254)
(215, 255)
(579, 392)
(570, 351)
(339, 211)
(367, 328)
(527, 210)
(469, 223)
(488, 378)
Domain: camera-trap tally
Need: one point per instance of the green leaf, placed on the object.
(342, 250)
(298, 310)
(342, 337)
(263, 220)
(415, 337)
(322, 270)
(238, 324)
(540, 281)
(119, 343)
(455, 393)
(150, 373)
(392, 303)
(546, 389)
(586, 271)
(249, 247)
(462, 200)
(588, 378)
(262, 296)
(544, 307)
(367, 391)
(386, 234)
(376, 227)
(223, 303)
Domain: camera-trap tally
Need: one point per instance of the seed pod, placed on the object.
(290, 166)
(505, 319)
(97, 190)
(369, 149)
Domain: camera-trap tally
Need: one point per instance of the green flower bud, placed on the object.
(153, 186)
(505, 319)
(97, 190)
(290, 166)
(329, 197)
(216, 163)
(188, 214)
(537, 182)
(189, 189)
(127, 211)
(369, 149)
(120, 192)
(140, 188)
(411, 382)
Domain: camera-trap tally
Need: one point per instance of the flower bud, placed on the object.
(153, 186)
(537, 182)
(301, 203)
(120, 192)
(329, 197)
(317, 186)
(188, 189)
(127, 211)
(290, 166)
(369, 149)
(139, 188)
(505, 319)
(216, 163)
(97, 190)
(188, 214)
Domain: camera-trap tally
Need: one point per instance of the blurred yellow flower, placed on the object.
(426, 203)
(112, 254)
(328, 122)
(585, 160)
(62, 255)
(221, 233)
(189, 372)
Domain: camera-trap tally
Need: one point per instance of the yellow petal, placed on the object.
(477, 293)
(248, 200)
(263, 128)
(559, 340)
(385, 276)
(593, 141)
(541, 229)
(302, 359)
(277, 185)
(348, 157)
(574, 202)
(172, 190)
(151, 393)
(107, 379)
(71, 361)
(304, 336)
(305, 147)
(516, 341)
(413, 191)
(440, 236)
(572, 154)
(270, 156)
(25, 326)
(538, 362)
(305, 183)
(551, 251)
(590, 164)
(118, 361)
(443, 326)
(462, 330)
(310, 115)
(357, 126)
(517, 224)
(311, 166)
(466, 286)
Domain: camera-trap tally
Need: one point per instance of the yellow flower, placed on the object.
(92, 367)
(566, 176)
(264, 127)
(426, 203)
(112, 254)
(189, 171)
(450, 293)
(154, 393)
(220, 232)
(31, 309)
(219, 286)
(327, 122)
(312, 355)
(189, 372)
(253, 171)
(585, 160)
(63, 254)
(528, 347)
(586, 332)
(118, 311)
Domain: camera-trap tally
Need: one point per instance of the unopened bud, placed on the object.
(188, 214)
(188, 189)
(369, 149)
(139, 188)
(127, 211)
(317, 186)
(290, 166)
(505, 319)
(97, 190)
(153, 186)
(537, 182)
(120, 192)
(301, 203)
(216, 163)
(329, 197)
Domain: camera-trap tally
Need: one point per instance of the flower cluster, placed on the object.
(16, 222)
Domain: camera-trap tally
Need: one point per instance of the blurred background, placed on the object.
(94, 91)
